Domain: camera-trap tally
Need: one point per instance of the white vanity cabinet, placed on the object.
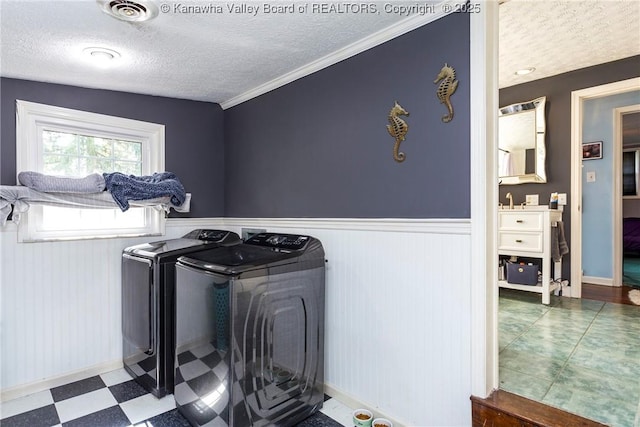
(527, 233)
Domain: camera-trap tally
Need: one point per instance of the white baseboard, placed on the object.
(603, 281)
(37, 386)
(352, 402)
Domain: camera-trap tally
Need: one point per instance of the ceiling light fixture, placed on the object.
(101, 56)
(525, 71)
(127, 10)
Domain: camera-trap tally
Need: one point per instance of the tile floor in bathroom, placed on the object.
(114, 399)
(579, 355)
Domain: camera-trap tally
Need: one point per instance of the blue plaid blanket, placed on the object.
(129, 187)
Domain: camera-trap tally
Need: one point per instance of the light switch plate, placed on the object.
(591, 176)
(562, 199)
(532, 200)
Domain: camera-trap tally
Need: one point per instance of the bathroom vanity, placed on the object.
(526, 232)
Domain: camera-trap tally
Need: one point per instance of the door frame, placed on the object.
(483, 94)
(577, 101)
(618, 209)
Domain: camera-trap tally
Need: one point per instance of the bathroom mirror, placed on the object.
(521, 134)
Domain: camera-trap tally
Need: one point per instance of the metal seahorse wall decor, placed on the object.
(446, 89)
(398, 129)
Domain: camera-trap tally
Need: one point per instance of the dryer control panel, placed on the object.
(207, 235)
(290, 242)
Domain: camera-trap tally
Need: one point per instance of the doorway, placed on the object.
(578, 99)
(627, 140)
(557, 344)
(568, 355)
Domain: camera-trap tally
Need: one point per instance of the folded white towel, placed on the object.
(93, 183)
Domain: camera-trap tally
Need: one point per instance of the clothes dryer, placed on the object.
(250, 332)
(148, 305)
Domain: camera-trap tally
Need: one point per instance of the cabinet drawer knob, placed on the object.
(519, 221)
(518, 240)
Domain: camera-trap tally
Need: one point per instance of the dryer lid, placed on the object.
(194, 240)
(154, 249)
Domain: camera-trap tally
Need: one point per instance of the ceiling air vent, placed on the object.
(132, 11)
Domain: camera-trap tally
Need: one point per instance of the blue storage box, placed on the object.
(522, 274)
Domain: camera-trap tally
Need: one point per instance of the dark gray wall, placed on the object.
(558, 90)
(318, 147)
(194, 135)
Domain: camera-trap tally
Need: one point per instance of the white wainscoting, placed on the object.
(60, 308)
(398, 315)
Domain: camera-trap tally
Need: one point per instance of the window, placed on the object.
(71, 143)
(631, 172)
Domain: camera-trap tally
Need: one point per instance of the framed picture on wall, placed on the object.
(592, 150)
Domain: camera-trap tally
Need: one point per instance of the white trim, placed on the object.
(37, 386)
(352, 402)
(618, 208)
(617, 198)
(431, 226)
(577, 99)
(484, 198)
(346, 52)
(602, 281)
(576, 196)
(196, 222)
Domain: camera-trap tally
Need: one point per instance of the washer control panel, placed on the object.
(290, 242)
(208, 235)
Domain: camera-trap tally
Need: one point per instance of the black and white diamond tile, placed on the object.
(200, 370)
(113, 399)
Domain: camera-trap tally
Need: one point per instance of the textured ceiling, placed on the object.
(228, 56)
(558, 36)
(212, 55)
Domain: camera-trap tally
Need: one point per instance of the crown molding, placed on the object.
(375, 39)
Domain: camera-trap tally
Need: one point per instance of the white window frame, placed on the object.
(32, 118)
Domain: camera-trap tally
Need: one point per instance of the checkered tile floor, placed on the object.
(202, 389)
(113, 400)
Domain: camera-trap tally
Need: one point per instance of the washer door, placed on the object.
(278, 332)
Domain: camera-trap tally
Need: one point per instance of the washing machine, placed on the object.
(148, 305)
(250, 332)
